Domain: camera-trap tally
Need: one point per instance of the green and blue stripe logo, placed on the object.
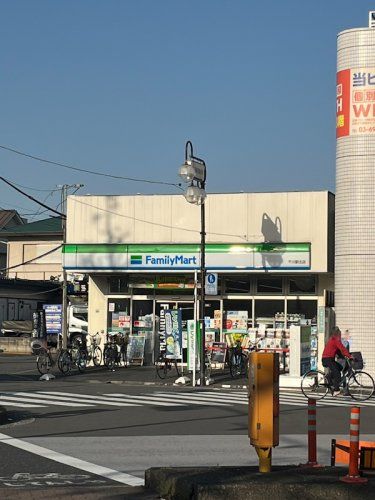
(136, 260)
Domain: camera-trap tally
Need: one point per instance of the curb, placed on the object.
(246, 483)
(163, 384)
(3, 415)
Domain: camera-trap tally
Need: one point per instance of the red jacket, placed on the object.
(333, 347)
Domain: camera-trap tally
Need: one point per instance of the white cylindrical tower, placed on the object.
(355, 190)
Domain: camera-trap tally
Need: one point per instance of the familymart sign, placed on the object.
(127, 258)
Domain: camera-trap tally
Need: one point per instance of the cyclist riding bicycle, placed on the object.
(334, 347)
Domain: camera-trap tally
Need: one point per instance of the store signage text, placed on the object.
(168, 260)
(355, 102)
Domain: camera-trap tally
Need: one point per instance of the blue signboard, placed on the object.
(53, 313)
(173, 333)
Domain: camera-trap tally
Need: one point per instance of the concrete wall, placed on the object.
(15, 345)
(300, 217)
(43, 268)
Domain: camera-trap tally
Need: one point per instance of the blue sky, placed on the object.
(118, 86)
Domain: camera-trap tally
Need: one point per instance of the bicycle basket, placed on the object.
(37, 348)
(357, 362)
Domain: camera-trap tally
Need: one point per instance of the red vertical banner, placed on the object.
(343, 103)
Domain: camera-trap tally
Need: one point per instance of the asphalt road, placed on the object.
(101, 436)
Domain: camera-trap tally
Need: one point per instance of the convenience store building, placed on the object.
(273, 252)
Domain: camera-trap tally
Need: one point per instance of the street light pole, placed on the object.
(194, 171)
(203, 293)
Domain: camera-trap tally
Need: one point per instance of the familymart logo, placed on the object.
(163, 260)
(136, 260)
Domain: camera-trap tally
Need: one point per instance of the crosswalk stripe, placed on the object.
(198, 399)
(328, 399)
(19, 405)
(35, 399)
(205, 397)
(142, 400)
(180, 400)
(242, 395)
(77, 398)
(233, 397)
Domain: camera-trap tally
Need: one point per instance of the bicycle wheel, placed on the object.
(97, 356)
(43, 363)
(235, 365)
(314, 385)
(82, 359)
(207, 368)
(161, 365)
(360, 386)
(64, 362)
(244, 365)
(176, 367)
(110, 358)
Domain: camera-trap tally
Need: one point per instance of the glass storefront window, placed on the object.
(237, 284)
(306, 308)
(233, 306)
(270, 285)
(302, 284)
(265, 311)
(118, 319)
(118, 284)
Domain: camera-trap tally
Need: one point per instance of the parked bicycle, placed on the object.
(238, 361)
(94, 352)
(166, 367)
(45, 361)
(74, 356)
(357, 384)
(115, 351)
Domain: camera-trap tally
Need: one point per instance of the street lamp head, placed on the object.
(193, 170)
(195, 195)
(187, 171)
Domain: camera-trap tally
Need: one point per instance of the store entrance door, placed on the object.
(142, 314)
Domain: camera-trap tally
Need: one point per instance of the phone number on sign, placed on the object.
(363, 130)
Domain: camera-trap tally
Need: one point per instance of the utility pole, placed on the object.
(64, 191)
(64, 195)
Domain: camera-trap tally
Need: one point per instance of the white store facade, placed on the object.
(273, 254)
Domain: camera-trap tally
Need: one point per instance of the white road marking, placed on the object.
(32, 399)
(53, 396)
(142, 400)
(204, 398)
(179, 402)
(98, 470)
(20, 405)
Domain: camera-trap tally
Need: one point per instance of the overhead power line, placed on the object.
(87, 171)
(32, 198)
(243, 237)
(31, 260)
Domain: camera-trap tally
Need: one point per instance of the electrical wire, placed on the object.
(243, 237)
(45, 291)
(36, 189)
(31, 260)
(32, 198)
(85, 170)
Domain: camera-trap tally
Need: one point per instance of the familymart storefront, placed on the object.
(264, 291)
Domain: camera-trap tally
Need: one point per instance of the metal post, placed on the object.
(65, 294)
(195, 327)
(203, 293)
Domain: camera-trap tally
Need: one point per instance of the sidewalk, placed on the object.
(146, 375)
